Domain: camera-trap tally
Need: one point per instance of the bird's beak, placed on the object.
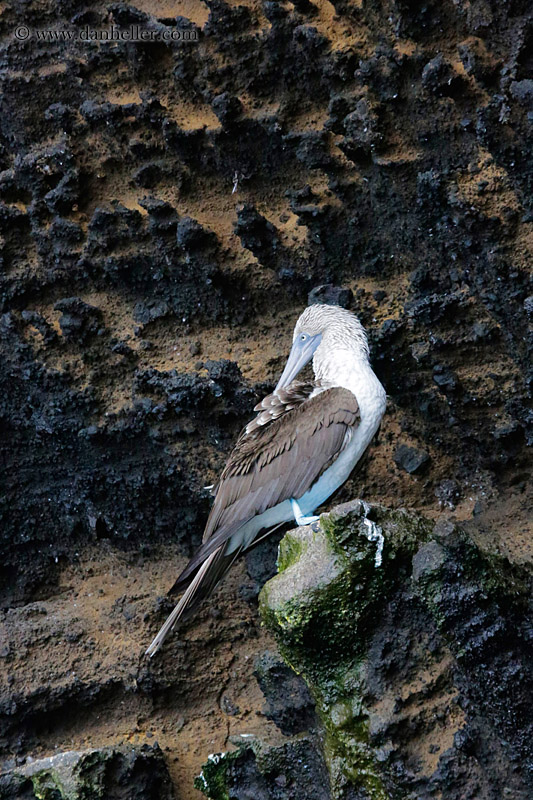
(300, 354)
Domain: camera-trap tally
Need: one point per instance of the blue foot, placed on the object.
(298, 516)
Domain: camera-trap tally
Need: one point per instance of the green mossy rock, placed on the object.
(110, 773)
(323, 601)
(396, 655)
(294, 769)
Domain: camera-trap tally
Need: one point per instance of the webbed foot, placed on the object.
(299, 517)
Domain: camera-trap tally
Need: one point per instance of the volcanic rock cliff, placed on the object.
(167, 209)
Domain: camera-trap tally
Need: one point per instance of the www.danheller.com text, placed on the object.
(113, 33)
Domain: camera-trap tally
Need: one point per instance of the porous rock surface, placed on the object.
(411, 663)
(113, 773)
(166, 211)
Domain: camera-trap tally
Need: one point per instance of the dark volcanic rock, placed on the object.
(478, 61)
(78, 319)
(439, 76)
(523, 92)
(295, 769)
(192, 236)
(227, 108)
(147, 312)
(118, 773)
(434, 618)
(256, 233)
(410, 459)
(207, 188)
(361, 128)
(448, 493)
(289, 703)
(261, 564)
(331, 295)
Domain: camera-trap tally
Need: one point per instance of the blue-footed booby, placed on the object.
(301, 447)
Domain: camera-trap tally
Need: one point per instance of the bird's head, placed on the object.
(320, 330)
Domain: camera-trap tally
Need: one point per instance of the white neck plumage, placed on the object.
(347, 368)
(342, 367)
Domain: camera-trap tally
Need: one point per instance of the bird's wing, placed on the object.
(279, 455)
(292, 440)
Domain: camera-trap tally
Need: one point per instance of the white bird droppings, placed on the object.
(375, 534)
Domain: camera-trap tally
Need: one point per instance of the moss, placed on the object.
(331, 615)
(90, 774)
(488, 579)
(404, 530)
(254, 768)
(47, 786)
(347, 750)
(95, 774)
(324, 603)
(290, 550)
(322, 606)
(212, 781)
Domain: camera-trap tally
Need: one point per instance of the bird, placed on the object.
(302, 445)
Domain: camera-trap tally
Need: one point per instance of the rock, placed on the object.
(78, 320)
(436, 212)
(444, 378)
(361, 128)
(145, 312)
(65, 195)
(289, 703)
(224, 373)
(448, 493)
(117, 773)
(338, 110)
(163, 217)
(256, 233)
(478, 61)
(96, 113)
(112, 228)
(311, 148)
(228, 706)
(410, 459)
(429, 190)
(331, 295)
(356, 634)
(261, 564)
(64, 232)
(149, 175)
(428, 560)
(36, 319)
(273, 11)
(61, 113)
(439, 77)
(193, 236)
(522, 91)
(264, 772)
(306, 7)
(194, 395)
(227, 108)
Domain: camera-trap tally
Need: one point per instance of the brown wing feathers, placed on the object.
(279, 455)
(273, 461)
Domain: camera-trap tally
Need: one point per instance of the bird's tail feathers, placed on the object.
(203, 554)
(199, 588)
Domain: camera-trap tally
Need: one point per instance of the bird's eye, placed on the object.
(303, 337)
